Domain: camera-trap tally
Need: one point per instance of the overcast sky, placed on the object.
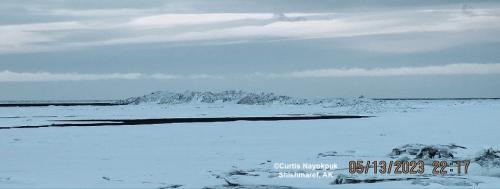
(94, 49)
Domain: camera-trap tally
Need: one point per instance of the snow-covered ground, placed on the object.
(245, 154)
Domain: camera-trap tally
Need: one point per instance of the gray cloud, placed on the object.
(449, 69)
(139, 26)
(9, 76)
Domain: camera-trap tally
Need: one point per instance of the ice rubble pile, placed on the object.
(345, 105)
(489, 158)
(236, 97)
(421, 151)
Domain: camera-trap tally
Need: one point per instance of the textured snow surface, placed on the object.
(242, 154)
(233, 97)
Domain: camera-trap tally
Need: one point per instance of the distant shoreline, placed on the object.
(121, 122)
(117, 102)
(435, 98)
(57, 103)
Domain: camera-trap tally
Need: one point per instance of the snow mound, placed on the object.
(450, 181)
(232, 96)
(489, 158)
(421, 151)
(344, 105)
(362, 179)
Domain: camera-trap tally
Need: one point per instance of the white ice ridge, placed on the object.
(232, 97)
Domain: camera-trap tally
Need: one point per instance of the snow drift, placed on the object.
(233, 97)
